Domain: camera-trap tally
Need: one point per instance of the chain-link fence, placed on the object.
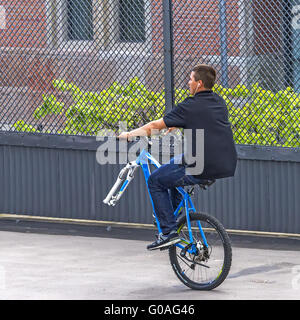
(78, 66)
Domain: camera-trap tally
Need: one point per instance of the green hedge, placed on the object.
(258, 116)
(263, 117)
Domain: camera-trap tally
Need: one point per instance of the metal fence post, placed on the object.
(168, 54)
(288, 44)
(223, 37)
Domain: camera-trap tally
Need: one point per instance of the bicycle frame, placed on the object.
(125, 177)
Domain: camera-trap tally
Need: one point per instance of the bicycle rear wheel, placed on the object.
(197, 266)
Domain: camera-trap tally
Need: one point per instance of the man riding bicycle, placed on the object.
(205, 110)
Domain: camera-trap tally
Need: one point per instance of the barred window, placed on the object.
(80, 20)
(132, 21)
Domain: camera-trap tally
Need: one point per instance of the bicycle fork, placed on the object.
(125, 176)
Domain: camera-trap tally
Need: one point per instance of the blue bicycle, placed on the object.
(202, 259)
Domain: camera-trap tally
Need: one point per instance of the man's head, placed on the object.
(202, 78)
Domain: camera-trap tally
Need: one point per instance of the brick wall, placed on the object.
(25, 24)
(196, 35)
(268, 26)
(25, 29)
(197, 27)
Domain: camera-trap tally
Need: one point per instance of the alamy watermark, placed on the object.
(182, 144)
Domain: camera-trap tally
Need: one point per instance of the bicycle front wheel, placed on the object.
(199, 266)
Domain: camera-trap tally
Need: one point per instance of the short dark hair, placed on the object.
(205, 73)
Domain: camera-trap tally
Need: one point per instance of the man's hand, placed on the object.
(123, 135)
(170, 130)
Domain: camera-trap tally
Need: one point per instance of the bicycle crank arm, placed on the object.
(192, 266)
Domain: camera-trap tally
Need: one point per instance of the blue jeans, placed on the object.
(162, 185)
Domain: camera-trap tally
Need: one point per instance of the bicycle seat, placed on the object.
(205, 184)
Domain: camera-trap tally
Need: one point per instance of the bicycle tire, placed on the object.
(215, 230)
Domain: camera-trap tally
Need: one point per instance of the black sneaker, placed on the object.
(165, 241)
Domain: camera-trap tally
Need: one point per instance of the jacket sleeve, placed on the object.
(176, 117)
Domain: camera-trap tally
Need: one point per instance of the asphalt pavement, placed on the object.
(42, 261)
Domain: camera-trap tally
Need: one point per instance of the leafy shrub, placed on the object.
(263, 117)
(20, 125)
(257, 116)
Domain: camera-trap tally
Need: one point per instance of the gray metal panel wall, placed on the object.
(263, 196)
(66, 183)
